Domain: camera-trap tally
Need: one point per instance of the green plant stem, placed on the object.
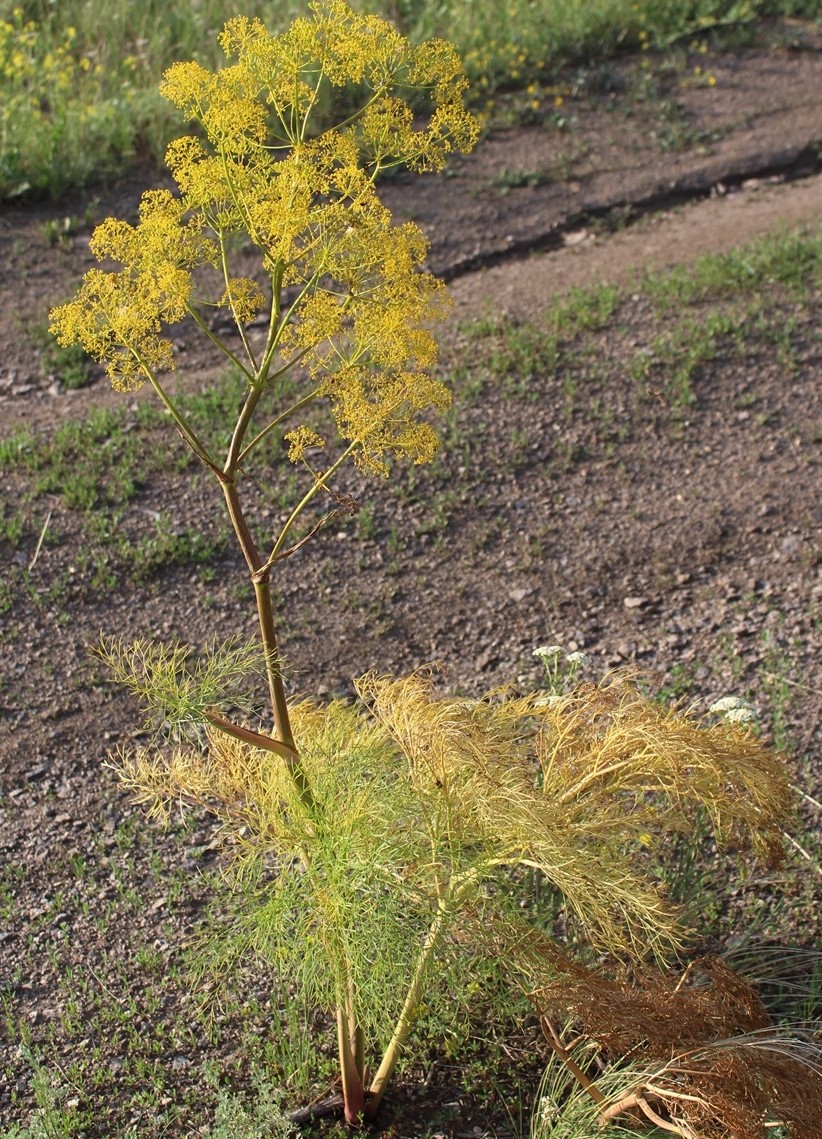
(320, 483)
(413, 998)
(408, 1014)
(198, 320)
(194, 443)
(259, 572)
(227, 278)
(273, 319)
(279, 707)
(246, 735)
(301, 403)
(356, 1036)
(252, 398)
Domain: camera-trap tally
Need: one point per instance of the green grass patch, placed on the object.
(96, 468)
(89, 463)
(732, 304)
(517, 356)
(792, 258)
(103, 468)
(729, 303)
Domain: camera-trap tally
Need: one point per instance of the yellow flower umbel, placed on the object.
(358, 308)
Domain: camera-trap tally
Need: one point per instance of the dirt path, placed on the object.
(641, 136)
(524, 286)
(521, 286)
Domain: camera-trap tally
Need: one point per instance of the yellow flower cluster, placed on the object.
(283, 77)
(244, 297)
(360, 323)
(117, 320)
(118, 317)
(496, 62)
(25, 69)
(51, 98)
(299, 442)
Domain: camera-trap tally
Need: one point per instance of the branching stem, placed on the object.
(411, 1006)
(227, 278)
(190, 437)
(252, 398)
(320, 483)
(301, 403)
(201, 324)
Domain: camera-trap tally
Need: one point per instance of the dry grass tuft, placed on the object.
(706, 1061)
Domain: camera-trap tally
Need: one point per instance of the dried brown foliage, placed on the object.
(706, 1061)
(654, 1014)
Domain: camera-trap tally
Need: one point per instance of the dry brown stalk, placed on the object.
(565, 1054)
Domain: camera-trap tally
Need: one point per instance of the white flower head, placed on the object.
(735, 709)
(547, 1111)
(547, 652)
(742, 715)
(728, 704)
(577, 658)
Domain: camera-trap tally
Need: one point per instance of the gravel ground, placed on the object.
(587, 494)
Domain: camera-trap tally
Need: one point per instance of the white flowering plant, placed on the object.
(561, 668)
(735, 710)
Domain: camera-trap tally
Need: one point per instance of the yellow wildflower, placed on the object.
(299, 440)
(361, 308)
(244, 297)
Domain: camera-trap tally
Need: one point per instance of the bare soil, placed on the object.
(593, 254)
(569, 507)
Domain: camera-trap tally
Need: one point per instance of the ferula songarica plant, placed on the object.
(363, 834)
